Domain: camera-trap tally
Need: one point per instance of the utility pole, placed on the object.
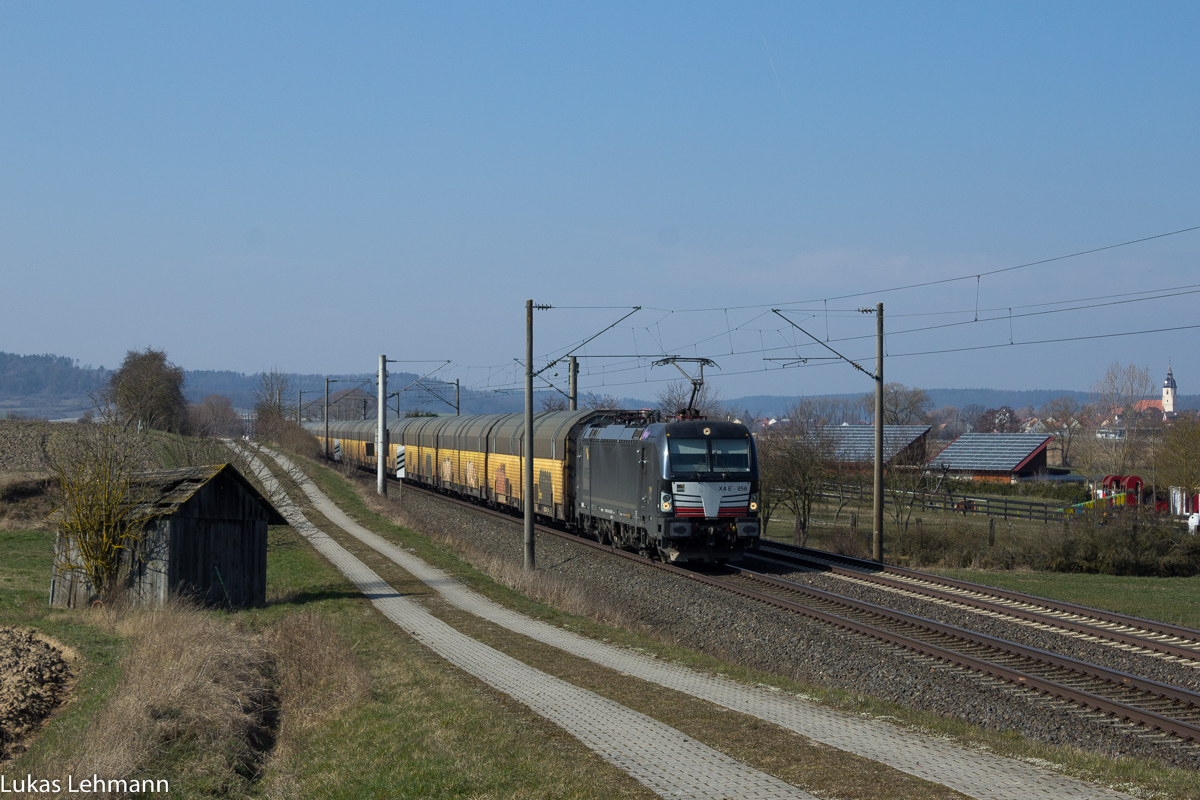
(877, 538)
(327, 382)
(573, 385)
(457, 407)
(530, 560)
(381, 431)
(299, 396)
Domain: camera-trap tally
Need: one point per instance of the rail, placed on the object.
(1132, 631)
(1106, 703)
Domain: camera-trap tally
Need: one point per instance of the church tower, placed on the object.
(1168, 402)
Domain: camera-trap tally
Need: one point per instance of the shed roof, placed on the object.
(856, 443)
(168, 489)
(991, 452)
(163, 491)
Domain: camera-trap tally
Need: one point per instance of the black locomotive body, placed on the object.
(685, 490)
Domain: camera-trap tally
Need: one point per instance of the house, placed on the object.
(206, 538)
(1003, 457)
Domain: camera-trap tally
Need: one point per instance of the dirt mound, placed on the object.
(34, 678)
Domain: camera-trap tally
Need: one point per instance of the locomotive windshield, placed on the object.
(709, 455)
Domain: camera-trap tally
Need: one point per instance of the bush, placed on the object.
(1125, 543)
(288, 435)
(1067, 493)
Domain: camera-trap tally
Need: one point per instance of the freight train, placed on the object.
(685, 490)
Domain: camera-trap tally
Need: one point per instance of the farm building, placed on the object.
(1003, 457)
(206, 538)
(902, 444)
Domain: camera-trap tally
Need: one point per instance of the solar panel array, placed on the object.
(995, 452)
(856, 443)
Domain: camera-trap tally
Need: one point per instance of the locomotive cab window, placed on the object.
(709, 455)
(731, 455)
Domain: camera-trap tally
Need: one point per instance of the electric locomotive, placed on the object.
(686, 490)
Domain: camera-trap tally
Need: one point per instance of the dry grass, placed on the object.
(317, 672)
(213, 704)
(545, 587)
(192, 686)
(290, 436)
(24, 501)
(320, 679)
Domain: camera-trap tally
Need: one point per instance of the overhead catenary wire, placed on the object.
(502, 377)
(939, 281)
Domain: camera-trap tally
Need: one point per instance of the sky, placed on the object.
(307, 186)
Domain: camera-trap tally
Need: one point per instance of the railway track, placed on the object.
(1171, 642)
(1157, 706)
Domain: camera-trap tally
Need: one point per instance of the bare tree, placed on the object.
(554, 402)
(352, 403)
(902, 405)
(1062, 417)
(674, 397)
(797, 457)
(101, 508)
(272, 395)
(214, 416)
(949, 422)
(601, 402)
(999, 420)
(773, 443)
(905, 483)
(1179, 456)
(971, 413)
(1120, 399)
(147, 390)
(828, 411)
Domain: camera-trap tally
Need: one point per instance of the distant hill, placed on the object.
(58, 387)
(47, 375)
(47, 385)
(774, 405)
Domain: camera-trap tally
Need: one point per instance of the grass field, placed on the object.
(1172, 600)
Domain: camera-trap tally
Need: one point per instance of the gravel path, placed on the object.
(748, 633)
(1184, 674)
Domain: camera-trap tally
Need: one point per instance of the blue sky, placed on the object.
(248, 185)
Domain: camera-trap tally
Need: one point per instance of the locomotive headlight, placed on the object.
(666, 503)
(754, 502)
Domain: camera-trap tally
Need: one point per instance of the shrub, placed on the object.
(1125, 544)
(288, 434)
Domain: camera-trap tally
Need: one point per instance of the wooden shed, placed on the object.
(207, 539)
